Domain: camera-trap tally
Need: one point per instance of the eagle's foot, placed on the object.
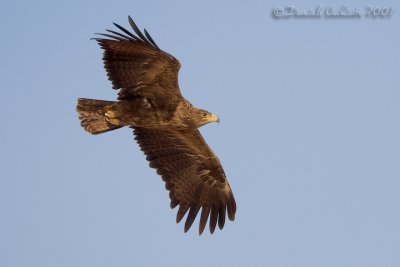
(111, 118)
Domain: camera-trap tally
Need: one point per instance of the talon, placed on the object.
(110, 114)
(111, 118)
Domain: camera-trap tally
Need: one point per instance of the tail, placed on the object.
(91, 113)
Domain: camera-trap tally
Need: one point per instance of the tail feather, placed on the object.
(91, 114)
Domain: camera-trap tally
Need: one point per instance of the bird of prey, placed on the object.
(164, 123)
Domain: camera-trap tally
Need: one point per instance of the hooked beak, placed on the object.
(214, 118)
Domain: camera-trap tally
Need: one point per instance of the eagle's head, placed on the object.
(203, 117)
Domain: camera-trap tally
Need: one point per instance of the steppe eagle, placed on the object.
(164, 123)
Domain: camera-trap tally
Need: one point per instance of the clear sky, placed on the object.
(309, 137)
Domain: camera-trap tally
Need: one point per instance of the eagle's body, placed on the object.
(165, 125)
(141, 112)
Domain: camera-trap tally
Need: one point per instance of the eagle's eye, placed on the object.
(203, 114)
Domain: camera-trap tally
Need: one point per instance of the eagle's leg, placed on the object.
(112, 118)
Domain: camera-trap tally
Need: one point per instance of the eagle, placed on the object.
(165, 125)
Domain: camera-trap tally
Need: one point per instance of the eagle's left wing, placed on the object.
(139, 68)
(192, 173)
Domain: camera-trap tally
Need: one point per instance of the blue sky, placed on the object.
(309, 137)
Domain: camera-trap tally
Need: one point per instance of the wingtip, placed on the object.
(212, 230)
(130, 20)
(97, 38)
(181, 213)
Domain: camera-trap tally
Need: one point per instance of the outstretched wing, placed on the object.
(136, 65)
(192, 173)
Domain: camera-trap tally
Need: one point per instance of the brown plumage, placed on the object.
(164, 123)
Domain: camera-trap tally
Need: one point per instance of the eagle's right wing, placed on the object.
(192, 173)
(136, 65)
